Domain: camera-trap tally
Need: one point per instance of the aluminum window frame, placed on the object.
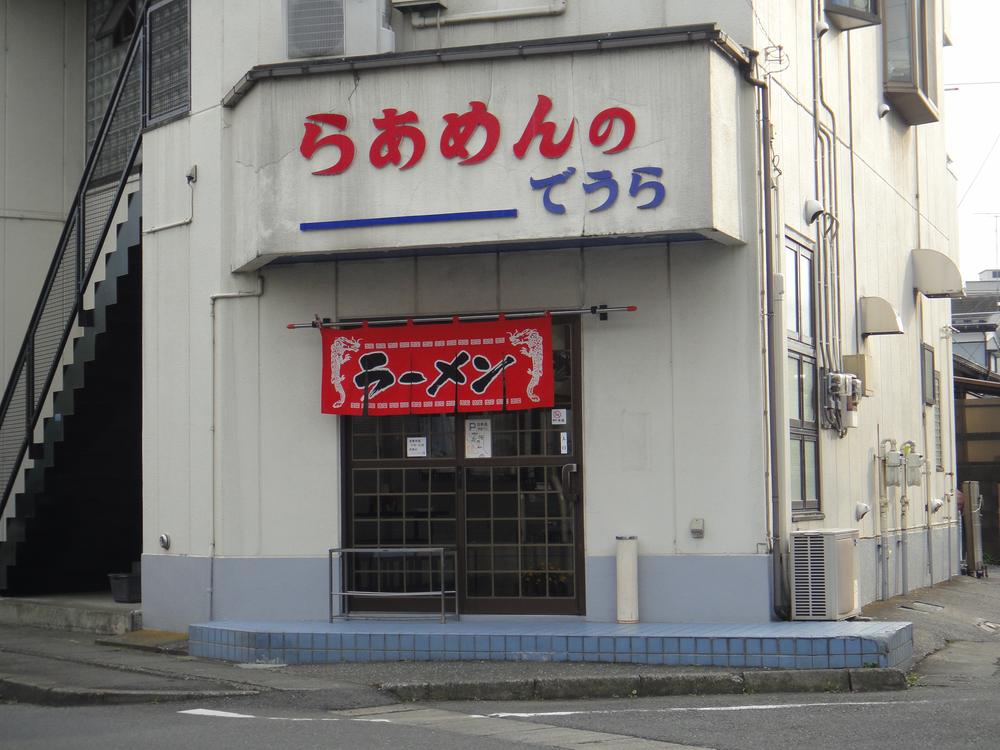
(916, 99)
(845, 17)
(801, 348)
(147, 85)
(928, 392)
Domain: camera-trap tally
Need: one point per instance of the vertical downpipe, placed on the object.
(904, 508)
(773, 489)
(212, 299)
(883, 514)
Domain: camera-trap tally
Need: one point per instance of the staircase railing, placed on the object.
(91, 216)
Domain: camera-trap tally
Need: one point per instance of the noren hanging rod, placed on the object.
(599, 310)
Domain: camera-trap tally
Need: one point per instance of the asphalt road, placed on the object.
(954, 705)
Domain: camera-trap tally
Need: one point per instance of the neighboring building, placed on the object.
(766, 182)
(976, 319)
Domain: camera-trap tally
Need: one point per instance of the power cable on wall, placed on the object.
(980, 170)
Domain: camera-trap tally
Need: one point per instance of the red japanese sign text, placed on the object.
(440, 368)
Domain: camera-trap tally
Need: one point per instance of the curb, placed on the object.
(172, 648)
(21, 691)
(642, 686)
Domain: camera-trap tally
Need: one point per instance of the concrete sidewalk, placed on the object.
(58, 667)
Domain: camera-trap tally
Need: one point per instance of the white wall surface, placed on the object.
(278, 485)
(232, 36)
(41, 149)
(893, 193)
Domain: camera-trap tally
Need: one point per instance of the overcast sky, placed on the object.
(972, 121)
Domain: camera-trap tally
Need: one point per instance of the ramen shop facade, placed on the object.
(451, 223)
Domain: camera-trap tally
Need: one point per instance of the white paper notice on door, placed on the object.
(416, 447)
(478, 438)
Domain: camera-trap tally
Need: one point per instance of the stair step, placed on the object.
(16, 530)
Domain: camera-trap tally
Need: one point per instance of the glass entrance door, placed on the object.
(502, 488)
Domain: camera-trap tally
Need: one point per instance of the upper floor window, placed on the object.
(852, 14)
(911, 36)
(169, 59)
(798, 292)
(801, 378)
(927, 383)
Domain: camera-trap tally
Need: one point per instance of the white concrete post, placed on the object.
(628, 579)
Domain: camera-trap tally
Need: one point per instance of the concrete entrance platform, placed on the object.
(779, 645)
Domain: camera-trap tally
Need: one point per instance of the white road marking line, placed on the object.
(222, 714)
(683, 709)
(230, 715)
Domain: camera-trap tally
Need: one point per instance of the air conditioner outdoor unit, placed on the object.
(338, 28)
(824, 574)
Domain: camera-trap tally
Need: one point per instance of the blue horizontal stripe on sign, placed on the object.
(503, 213)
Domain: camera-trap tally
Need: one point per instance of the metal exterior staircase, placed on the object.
(74, 474)
(78, 517)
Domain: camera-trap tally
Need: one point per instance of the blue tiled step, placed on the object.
(783, 645)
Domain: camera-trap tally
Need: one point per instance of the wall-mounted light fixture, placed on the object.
(821, 28)
(936, 504)
(165, 541)
(813, 210)
(883, 110)
(861, 510)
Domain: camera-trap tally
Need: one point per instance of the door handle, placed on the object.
(568, 469)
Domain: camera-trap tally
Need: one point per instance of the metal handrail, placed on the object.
(381, 552)
(23, 371)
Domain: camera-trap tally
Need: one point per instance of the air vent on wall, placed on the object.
(315, 28)
(824, 574)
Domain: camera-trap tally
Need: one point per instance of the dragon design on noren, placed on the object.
(531, 342)
(340, 354)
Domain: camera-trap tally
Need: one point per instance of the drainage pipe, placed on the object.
(553, 8)
(833, 195)
(212, 299)
(883, 514)
(904, 505)
(775, 504)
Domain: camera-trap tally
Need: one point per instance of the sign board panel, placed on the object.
(620, 143)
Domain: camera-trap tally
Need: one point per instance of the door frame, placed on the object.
(575, 605)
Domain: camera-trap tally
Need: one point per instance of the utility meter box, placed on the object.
(862, 367)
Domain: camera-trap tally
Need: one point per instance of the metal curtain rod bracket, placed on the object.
(599, 310)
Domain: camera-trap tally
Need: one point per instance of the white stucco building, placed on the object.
(765, 182)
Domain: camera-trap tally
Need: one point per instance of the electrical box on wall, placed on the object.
(841, 398)
(862, 367)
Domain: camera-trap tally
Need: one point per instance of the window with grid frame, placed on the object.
(801, 377)
(168, 58)
(938, 431)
